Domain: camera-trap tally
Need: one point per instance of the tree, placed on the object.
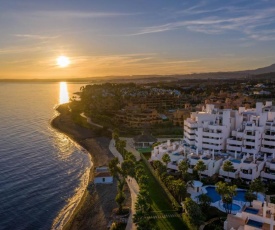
(115, 134)
(128, 168)
(227, 193)
(183, 167)
(193, 212)
(228, 198)
(228, 167)
(166, 159)
(115, 170)
(221, 188)
(257, 186)
(200, 166)
(159, 167)
(204, 201)
(179, 189)
(143, 181)
(120, 199)
(250, 196)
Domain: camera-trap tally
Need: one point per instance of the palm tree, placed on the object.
(204, 201)
(120, 199)
(183, 167)
(228, 167)
(257, 186)
(115, 170)
(200, 166)
(128, 168)
(250, 196)
(221, 188)
(166, 159)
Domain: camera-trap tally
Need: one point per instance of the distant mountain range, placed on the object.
(260, 72)
(268, 69)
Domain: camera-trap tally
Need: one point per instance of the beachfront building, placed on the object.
(235, 173)
(246, 137)
(208, 129)
(174, 149)
(103, 176)
(268, 174)
(213, 162)
(259, 216)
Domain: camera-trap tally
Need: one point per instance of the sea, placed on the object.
(43, 173)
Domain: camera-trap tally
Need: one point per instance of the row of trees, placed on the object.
(130, 167)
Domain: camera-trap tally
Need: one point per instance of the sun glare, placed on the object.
(63, 93)
(63, 61)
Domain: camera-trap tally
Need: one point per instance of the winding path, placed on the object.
(132, 184)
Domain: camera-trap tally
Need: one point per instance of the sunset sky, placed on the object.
(131, 37)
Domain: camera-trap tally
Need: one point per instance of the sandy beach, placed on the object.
(94, 211)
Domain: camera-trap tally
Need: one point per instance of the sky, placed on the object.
(134, 37)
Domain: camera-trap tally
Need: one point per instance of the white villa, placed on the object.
(175, 150)
(246, 137)
(259, 216)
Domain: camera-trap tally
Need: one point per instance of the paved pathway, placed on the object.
(130, 147)
(133, 186)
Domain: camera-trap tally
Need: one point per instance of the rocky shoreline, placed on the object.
(94, 211)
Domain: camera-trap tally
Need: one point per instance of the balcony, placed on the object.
(267, 150)
(248, 150)
(191, 124)
(187, 130)
(212, 146)
(234, 148)
(271, 143)
(214, 141)
(189, 136)
(253, 137)
(233, 175)
(246, 176)
(211, 134)
(267, 175)
(234, 141)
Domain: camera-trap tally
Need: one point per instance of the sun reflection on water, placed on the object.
(63, 93)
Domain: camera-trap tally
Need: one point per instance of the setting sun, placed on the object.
(62, 61)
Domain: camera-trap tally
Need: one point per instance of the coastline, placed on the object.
(96, 204)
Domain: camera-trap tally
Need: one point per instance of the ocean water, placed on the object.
(42, 172)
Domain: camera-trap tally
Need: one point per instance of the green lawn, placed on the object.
(144, 150)
(162, 205)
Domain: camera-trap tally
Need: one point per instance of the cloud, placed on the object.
(256, 24)
(81, 14)
(35, 36)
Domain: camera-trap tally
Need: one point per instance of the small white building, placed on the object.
(103, 176)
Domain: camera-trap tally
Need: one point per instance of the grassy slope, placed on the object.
(162, 205)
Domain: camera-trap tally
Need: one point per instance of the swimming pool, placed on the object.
(254, 223)
(212, 193)
(251, 210)
(235, 161)
(234, 207)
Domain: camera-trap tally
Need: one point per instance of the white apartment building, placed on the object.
(212, 162)
(175, 150)
(246, 137)
(208, 129)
